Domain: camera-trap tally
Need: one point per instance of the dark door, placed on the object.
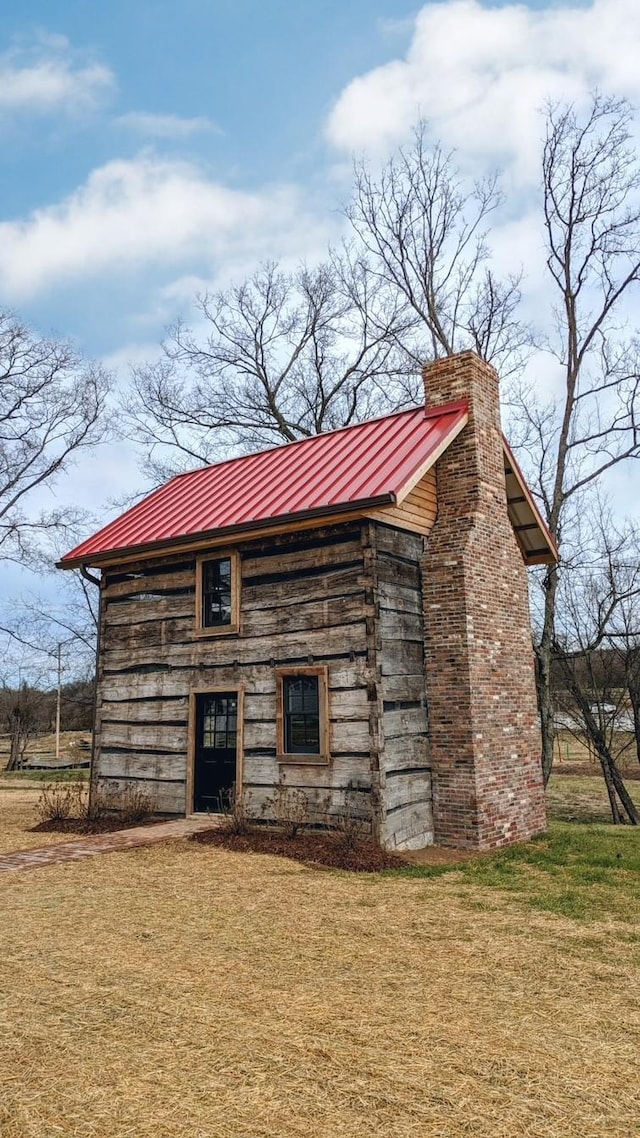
(216, 746)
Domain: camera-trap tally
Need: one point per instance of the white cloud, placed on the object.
(120, 361)
(166, 126)
(49, 76)
(153, 212)
(480, 74)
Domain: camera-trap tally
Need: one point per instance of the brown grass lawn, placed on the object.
(568, 749)
(577, 798)
(187, 992)
(18, 815)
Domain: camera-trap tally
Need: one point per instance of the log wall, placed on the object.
(345, 596)
(304, 599)
(406, 793)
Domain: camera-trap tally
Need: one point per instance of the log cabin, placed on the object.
(347, 614)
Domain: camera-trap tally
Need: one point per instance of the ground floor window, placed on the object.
(302, 715)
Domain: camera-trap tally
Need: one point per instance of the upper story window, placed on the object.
(217, 594)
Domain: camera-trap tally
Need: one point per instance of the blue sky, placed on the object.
(150, 148)
(265, 73)
(239, 91)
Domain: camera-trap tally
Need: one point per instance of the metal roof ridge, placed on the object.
(446, 408)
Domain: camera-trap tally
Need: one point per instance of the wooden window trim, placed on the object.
(324, 758)
(202, 630)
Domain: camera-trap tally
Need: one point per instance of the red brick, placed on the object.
(484, 726)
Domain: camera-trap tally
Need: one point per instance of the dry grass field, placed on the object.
(187, 991)
(75, 746)
(569, 749)
(18, 801)
(582, 798)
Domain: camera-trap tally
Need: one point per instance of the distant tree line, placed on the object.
(27, 712)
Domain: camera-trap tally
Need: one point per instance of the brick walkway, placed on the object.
(104, 843)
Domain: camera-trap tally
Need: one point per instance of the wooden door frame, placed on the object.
(209, 689)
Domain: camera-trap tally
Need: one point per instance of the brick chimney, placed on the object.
(480, 678)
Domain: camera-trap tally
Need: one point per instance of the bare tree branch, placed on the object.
(591, 211)
(282, 356)
(51, 407)
(425, 232)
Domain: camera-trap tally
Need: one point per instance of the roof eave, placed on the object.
(544, 555)
(186, 540)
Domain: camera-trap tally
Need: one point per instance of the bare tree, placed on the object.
(28, 708)
(287, 355)
(625, 642)
(51, 406)
(39, 631)
(48, 657)
(594, 604)
(20, 720)
(591, 186)
(425, 231)
(23, 706)
(279, 357)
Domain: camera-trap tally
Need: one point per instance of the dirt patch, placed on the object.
(93, 825)
(309, 848)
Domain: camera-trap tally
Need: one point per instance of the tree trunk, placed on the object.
(635, 703)
(633, 685)
(616, 816)
(623, 794)
(15, 752)
(616, 787)
(544, 653)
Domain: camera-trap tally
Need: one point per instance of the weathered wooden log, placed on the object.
(347, 597)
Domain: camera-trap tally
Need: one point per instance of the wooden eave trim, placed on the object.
(211, 539)
(425, 467)
(537, 557)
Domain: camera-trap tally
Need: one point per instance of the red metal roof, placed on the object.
(367, 464)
